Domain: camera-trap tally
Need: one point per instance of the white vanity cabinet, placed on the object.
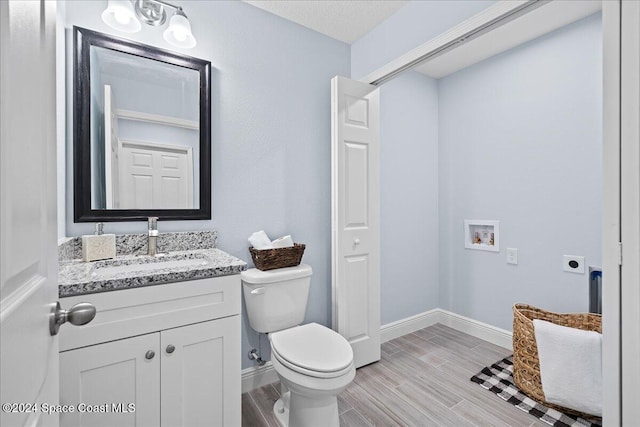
(200, 380)
(172, 350)
(112, 374)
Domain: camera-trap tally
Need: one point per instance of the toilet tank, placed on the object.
(276, 299)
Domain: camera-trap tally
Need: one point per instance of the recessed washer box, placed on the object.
(483, 235)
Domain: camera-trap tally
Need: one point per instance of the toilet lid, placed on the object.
(312, 347)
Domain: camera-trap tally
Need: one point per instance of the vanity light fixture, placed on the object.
(179, 31)
(121, 15)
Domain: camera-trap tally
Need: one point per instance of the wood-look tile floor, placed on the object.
(421, 380)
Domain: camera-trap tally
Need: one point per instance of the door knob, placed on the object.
(79, 314)
(356, 241)
(171, 349)
(150, 354)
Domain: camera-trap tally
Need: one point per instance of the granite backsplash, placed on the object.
(133, 244)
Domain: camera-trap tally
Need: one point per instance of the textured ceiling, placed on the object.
(345, 20)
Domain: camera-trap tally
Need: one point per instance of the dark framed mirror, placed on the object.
(142, 131)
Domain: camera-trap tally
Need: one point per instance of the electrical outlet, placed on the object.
(512, 256)
(573, 264)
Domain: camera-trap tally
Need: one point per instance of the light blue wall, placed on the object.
(270, 132)
(521, 142)
(414, 24)
(408, 197)
(409, 268)
(515, 124)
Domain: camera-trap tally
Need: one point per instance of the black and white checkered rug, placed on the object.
(498, 378)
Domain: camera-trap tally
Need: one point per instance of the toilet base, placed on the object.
(309, 401)
(281, 410)
(307, 412)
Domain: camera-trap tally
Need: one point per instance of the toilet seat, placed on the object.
(312, 350)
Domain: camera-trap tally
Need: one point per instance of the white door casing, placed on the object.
(355, 116)
(611, 214)
(630, 208)
(111, 150)
(28, 227)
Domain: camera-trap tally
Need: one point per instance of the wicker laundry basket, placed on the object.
(270, 259)
(526, 365)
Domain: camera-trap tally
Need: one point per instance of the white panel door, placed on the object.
(201, 374)
(111, 377)
(28, 227)
(155, 176)
(630, 186)
(355, 216)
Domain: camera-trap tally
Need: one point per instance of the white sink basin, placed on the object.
(146, 264)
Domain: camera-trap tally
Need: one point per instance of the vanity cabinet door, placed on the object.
(101, 381)
(200, 373)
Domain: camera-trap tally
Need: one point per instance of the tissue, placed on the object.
(283, 242)
(260, 240)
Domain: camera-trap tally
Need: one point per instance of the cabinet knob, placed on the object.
(150, 354)
(170, 349)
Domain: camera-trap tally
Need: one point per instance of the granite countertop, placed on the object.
(130, 271)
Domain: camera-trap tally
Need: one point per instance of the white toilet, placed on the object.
(314, 363)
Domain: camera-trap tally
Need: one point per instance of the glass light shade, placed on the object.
(179, 31)
(119, 15)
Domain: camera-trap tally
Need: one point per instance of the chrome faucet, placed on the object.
(152, 242)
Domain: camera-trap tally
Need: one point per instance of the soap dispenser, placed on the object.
(99, 246)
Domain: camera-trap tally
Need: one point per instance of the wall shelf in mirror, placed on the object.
(142, 131)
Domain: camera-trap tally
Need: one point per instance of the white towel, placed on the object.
(283, 242)
(570, 366)
(260, 240)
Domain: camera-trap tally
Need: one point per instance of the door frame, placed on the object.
(111, 184)
(629, 291)
(494, 17)
(611, 227)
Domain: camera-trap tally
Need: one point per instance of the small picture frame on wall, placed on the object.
(482, 235)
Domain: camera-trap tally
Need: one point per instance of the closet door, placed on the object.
(355, 116)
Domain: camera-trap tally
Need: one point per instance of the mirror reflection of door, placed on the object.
(154, 176)
(145, 133)
(144, 175)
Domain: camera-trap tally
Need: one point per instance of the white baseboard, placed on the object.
(464, 324)
(481, 330)
(258, 376)
(408, 325)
